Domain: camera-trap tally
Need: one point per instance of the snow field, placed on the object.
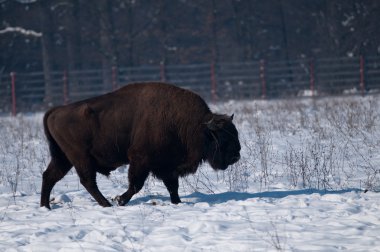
(298, 187)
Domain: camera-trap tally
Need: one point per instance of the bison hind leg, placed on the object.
(55, 171)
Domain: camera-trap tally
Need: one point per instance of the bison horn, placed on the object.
(232, 117)
(211, 124)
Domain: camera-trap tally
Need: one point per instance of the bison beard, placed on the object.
(154, 127)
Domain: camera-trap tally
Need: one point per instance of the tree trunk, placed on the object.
(73, 36)
(47, 43)
(164, 33)
(285, 42)
(130, 43)
(73, 43)
(215, 51)
(109, 57)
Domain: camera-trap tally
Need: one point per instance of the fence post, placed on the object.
(114, 78)
(13, 83)
(162, 71)
(312, 78)
(65, 89)
(362, 85)
(213, 82)
(263, 80)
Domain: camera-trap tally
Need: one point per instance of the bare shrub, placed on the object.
(237, 177)
(20, 151)
(296, 166)
(200, 181)
(355, 122)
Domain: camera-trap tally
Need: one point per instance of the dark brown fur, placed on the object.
(154, 127)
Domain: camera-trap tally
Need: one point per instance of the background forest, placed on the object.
(78, 34)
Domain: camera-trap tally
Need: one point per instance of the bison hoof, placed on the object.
(46, 206)
(119, 201)
(177, 201)
(106, 204)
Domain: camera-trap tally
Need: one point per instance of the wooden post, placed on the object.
(362, 84)
(114, 78)
(213, 82)
(312, 78)
(13, 83)
(162, 71)
(65, 89)
(263, 80)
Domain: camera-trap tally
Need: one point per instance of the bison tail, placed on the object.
(55, 151)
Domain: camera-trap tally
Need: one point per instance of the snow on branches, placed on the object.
(21, 31)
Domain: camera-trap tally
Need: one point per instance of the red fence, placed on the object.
(241, 80)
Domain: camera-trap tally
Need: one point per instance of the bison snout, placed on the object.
(235, 159)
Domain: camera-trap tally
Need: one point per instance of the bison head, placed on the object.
(223, 146)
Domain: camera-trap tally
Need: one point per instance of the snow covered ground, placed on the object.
(298, 187)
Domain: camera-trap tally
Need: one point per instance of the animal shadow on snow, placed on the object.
(219, 198)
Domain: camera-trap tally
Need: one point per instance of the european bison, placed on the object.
(154, 127)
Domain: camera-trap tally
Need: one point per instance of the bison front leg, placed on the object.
(136, 176)
(172, 186)
(88, 180)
